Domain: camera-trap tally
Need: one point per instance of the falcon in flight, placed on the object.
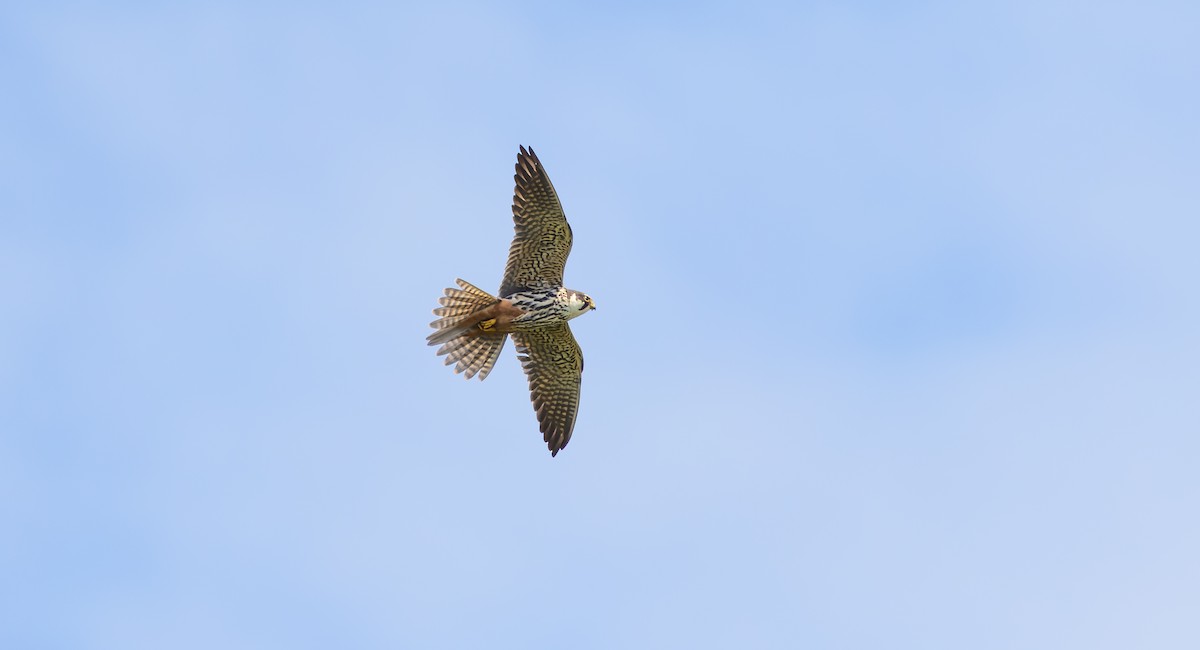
(533, 308)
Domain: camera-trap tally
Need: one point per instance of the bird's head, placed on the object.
(579, 304)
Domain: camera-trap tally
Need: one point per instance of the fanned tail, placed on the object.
(475, 352)
(457, 307)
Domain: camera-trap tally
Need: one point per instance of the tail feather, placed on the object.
(474, 352)
(457, 307)
(486, 360)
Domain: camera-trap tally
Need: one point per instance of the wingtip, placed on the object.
(554, 445)
(527, 152)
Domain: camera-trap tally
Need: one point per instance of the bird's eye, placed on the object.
(584, 305)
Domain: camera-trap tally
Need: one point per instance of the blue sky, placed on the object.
(897, 340)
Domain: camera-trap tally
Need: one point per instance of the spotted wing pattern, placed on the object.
(543, 237)
(553, 363)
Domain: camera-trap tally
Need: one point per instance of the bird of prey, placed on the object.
(533, 307)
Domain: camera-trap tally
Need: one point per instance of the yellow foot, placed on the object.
(487, 324)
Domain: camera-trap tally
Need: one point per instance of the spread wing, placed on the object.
(553, 363)
(543, 237)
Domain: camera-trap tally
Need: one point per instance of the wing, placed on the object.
(543, 237)
(553, 363)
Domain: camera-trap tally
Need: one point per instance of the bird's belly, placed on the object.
(534, 310)
(505, 317)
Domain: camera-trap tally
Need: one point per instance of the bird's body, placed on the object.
(547, 307)
(520, 311)
(533, 308)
